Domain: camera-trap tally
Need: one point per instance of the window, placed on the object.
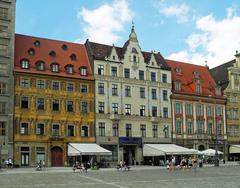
(154, 94)
(219, 111)
(84, 106)
(135, 59)
(24, 64)
(115, 108)
(127, 73)
(83, 88)
(70, 87)
(142, 92)
(3, 107)
(166, 131)
(101, 107)
(155, 131)
(55, 67)
(83, 71)
(143, 130)
(24, 128)
(219, 128)
(178, 127)
(2, 128)
(70, 130)
(200, 129)
(198, 88)
(69, 106)
(115, 129)
(55, 85)
(101, 127)
(210, 128)
(55, 105)
(189, 127)
(40, 66)
(36, 43)
(84, 131)
(188, 109)
(52, 54)
(3, 13)
(141, 75)
(40, 103)
(114, 89)
(142, 110)
(209, 111)
(178, 109)
(128, 130)
(100, 69)
(64, 47)
(40, 129)
(40, 84)
(165, 95)
(177, 86)
(31, 51)
(69, 69)
(55, 130)
(73, 57)
(154, 111)
(114, 71)
(153, 76)
(199, 110)
(128, 109)
(127, 91)
(165, 112)
(164, 78)
(24, 82)
(3, 88)
(100, 88)
(24, 102)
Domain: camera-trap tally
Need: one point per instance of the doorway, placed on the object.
(129, 154)
(57, 156)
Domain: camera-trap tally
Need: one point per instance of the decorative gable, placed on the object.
(152, 62)
(113, 56)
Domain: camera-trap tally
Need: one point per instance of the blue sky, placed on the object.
(185, 30)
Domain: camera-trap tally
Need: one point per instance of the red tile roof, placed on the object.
(187, 78)
(23, 43)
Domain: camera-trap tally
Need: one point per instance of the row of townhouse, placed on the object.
(54, 93)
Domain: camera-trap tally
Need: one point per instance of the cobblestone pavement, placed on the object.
(140, 177)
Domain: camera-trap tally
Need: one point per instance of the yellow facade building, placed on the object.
(54, 100)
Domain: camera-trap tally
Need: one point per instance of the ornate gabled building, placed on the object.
(54, 100)
(198, 108)
(7, 30)
(227, 76)
(132, 90)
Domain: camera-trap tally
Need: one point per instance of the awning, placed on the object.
(165, 149)
(76, 149)
(211, 152)
(234, 149)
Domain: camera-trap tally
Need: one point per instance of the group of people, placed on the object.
(184, 163)
(83, 167)
(123, 165)
(9, 163)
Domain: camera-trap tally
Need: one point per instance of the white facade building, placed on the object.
(132, 98)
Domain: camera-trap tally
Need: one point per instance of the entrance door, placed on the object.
(57, 156)
(24, 159)
(129, 154)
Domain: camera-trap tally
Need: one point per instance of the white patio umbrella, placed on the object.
(211, 152)
(198, 152)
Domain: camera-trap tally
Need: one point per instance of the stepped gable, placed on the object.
(50, 51)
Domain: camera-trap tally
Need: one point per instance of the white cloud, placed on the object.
(104, 23)
(216, 41)
(179, 11)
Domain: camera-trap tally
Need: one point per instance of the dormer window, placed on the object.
(64, 47)
(55, 67)
(113, 57)
(24, 64)
(52, 53)
(37, 43)
(198, 88)
(177, 86)
(69, 69)
(73, 57)
(31, 51)
(196, 74)
(40, 65)
(178, 70)
(83, 71)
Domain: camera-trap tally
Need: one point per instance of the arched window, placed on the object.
(69, 69)
(52, 53)
(55, 67)
(40, 65)
(24, 64)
